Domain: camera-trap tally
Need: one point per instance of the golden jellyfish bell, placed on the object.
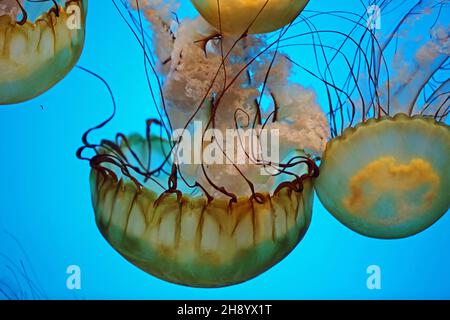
(34, 56)
(388, 178)
(189, 240)
(387, 174)
(256, 16)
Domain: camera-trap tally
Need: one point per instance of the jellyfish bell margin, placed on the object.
(249, 16)
(196, 241)
(37, 55)
(388, 178)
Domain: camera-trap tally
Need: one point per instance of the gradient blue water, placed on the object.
(45, 199)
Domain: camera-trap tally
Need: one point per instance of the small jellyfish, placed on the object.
(40, 42)
(249, 16)
(219, 188)
(388, 176)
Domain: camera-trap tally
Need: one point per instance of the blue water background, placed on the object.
(45, 197)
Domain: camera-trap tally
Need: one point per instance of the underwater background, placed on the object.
(47, 222)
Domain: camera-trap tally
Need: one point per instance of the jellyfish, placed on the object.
(385, 174)
(40, 43)
(219, 187)
(249, 16)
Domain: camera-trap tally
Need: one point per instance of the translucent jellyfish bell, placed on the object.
(388, 178)
(40, 44)
(254, 16)
(387, 175)
(190, 240)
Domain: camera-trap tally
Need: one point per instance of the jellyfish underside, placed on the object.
(193, 241)
(198, 222)
(388, 178)
(34, 56)
(18, 280)
(251, 16)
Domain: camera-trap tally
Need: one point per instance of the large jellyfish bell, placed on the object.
(249, 16)
(40, 42)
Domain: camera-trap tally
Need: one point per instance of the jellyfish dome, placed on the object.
(385, 173)
(219, 188)
(388, 177)
(41, 41)
(249, 16)
(194, 240)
